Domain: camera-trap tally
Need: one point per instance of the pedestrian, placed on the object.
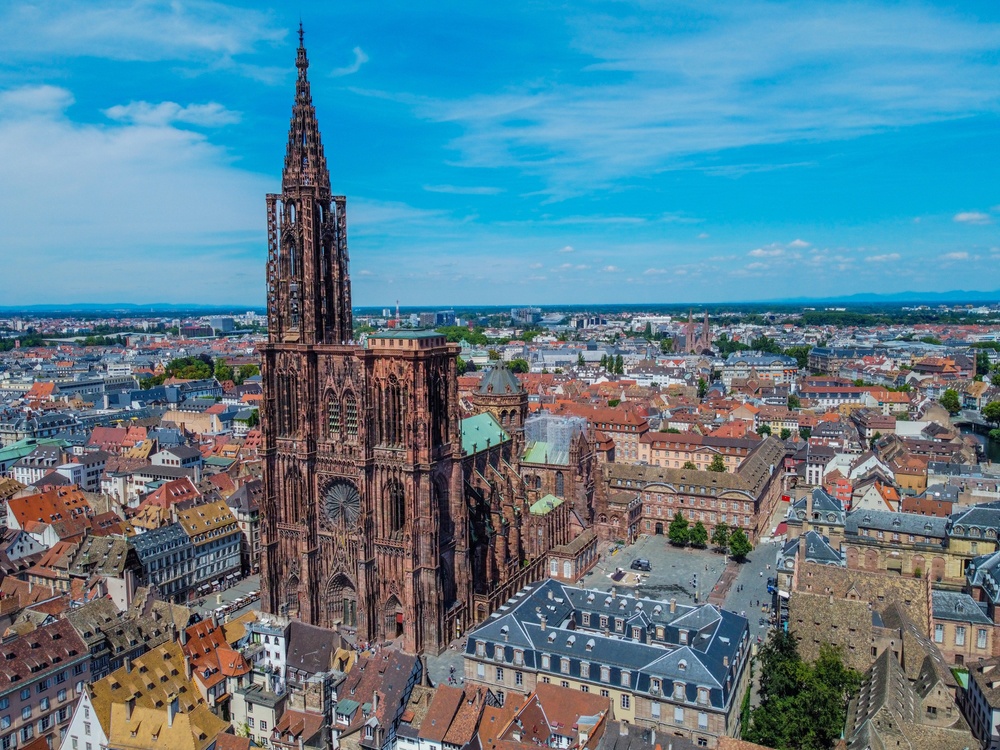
(761, 574)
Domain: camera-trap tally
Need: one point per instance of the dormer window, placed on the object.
(683, 637)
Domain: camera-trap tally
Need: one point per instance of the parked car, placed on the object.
(641, 564)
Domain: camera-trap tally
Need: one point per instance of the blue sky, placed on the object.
(498, 153)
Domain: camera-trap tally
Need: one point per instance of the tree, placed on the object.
(613, 402)
(580, 361)
(874, 439)
(246, 371)
(619, 365)
(648, 332)
(254, 419)
(717, 464)
(739, 545)
(764, 430)
(678, 532)
(604, 361)
(785, 433)
(991, 412)
(950, 401)
(802, 706)
(519, 365)
(801, 355)
(690, 465)
(699, 535)
(805, 432)
(702, 388)
(720, 536)
(666, 345)
(794, 402)
(223, 372)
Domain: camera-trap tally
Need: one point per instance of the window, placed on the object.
(263, 726)
(939, 633)
(44, 685)
(26, 694)
(44, 704)
(960, 635)
(499, 674)
(563, 683)
(250, 722)
(546, 661)
(60, 678)
(626, 701)
(26, 712)
(586, 619)
(604, 693)
(480, 670)
(79, 668)
(636, 633)
(678, 715)
(654, 710)
(981, 638)
(584, 688)
(626, 679)
(4, 703)
(702, 720)
(605, 674)
(27, 732)
(564, 666)
(702, 742)
(519, 678)
(545, 680)
(86, 727)
(4, 721)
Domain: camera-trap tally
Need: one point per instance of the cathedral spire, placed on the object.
(305, 163)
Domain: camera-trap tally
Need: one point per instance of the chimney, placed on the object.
(374, 702)
(129, 707)
(300, 742)
(623, 728)
(128, 664)
(725, 661)
(172, 710)
(184, 636)
(215, 620)
(542, 619)
(673, 606)
(187, 666)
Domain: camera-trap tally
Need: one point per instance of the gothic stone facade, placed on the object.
(373, 517)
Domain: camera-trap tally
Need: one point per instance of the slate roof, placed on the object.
(714, 638)
(901, 523)
(957, 606)
(499, 381)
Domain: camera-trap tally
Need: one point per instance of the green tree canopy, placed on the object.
(699, 535)
(720, 536)
(950, 401)
(679, 533)
(801, 355)
(764, 430)
(794, 402)
(805, 432)
(739, 545)
(718, 464)
(785, 433)
(702, 388)
(991, 412)
(802, 706)
(690, 465)
(519, 365)
(619, 365)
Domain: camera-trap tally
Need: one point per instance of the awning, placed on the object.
(782, 594)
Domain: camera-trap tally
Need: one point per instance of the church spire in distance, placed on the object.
(305, 163)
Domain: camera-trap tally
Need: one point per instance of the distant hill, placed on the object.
(956, 296)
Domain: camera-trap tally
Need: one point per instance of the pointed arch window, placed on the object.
(560, 484)
(350, 415)
(396, 497)
(333, 415)
(392, 412)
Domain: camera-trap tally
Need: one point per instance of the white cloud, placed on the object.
(535, 266)
(168, 113)
(703, 236)
(566, 249)
(463, 190)
(955, 256)
(766, 252)
(972, 217)
(195, 31)
(611, 269)
(183, 213)
(659, 91)
(798, 244)
(758, 266)
(360, 58)
(655, 271)
(884, 258)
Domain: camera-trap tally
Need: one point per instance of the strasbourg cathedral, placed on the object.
(385, 510)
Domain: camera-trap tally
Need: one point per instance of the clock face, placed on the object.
(342, 503)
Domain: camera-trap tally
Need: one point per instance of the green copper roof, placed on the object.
(479, 430)
(23, 447)
(546, 504)
(544, 452)
(409, 334)
(219, 461)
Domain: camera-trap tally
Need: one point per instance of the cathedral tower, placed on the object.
(363, 519)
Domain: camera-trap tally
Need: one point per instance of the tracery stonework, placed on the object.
(372, 517)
